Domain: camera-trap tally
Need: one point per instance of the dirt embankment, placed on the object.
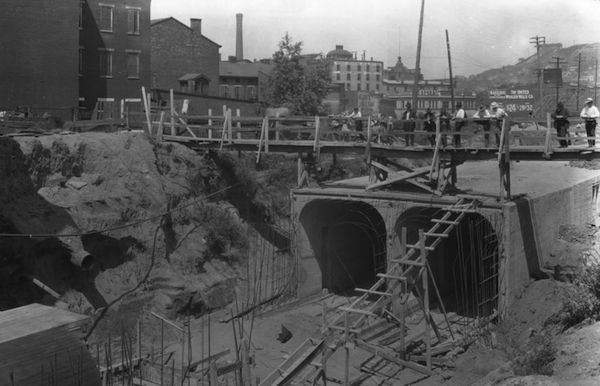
(86, 184)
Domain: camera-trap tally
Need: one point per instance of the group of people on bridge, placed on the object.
(589, 114)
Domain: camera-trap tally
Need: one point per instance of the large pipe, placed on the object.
(79, 256)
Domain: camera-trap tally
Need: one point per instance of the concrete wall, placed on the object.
(312, 223)
(533, 225)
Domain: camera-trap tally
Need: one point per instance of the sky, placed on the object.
(483, 34)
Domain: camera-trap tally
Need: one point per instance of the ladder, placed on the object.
(364, 320)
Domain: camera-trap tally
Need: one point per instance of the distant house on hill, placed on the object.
(243, 79)
(183, 59)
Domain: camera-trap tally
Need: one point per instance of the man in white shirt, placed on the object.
(460, 121)
(590, 114)
(356, 115)
(498, 114)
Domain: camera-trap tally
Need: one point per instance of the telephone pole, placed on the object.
(539, 41)
(578, 77)
(415, 92)
(450, 70)
(558, 72)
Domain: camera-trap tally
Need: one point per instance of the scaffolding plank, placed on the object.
(394, 277)
(372, 292)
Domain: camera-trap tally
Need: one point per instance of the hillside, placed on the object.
(524, 73)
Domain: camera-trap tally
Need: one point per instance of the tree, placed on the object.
(297, 82)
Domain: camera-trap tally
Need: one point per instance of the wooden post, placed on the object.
(425, 276)
(247, 377)
(213, 379)
(548, 143)
(147, 109)
(401, 311)
(230, 126)
(162, 352)
(172, 103)
(347, 349)
(210, 122)
(239, 124)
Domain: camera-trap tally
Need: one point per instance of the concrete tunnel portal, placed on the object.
(350, 243)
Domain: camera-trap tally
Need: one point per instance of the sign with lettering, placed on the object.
(518, 103)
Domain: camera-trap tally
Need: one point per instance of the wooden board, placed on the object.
(34, 318)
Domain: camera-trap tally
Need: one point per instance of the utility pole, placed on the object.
(596, 81)
(450, 71)
(539, 41)
(418, 62)
(558, 71)
(578, 77)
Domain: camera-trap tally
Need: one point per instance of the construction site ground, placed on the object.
(120, 181)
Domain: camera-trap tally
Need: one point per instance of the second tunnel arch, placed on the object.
(464, 266)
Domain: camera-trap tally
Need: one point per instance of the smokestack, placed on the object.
(196, 25)
(239, 41)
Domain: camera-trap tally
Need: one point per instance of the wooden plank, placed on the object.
(34, 318)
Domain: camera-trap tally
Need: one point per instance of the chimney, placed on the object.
(338, 47)
(239, 41)
(196, 25)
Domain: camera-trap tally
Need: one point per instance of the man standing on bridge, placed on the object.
(590, 113)
(561, 123)
(498, 114)
(408, 124)
(459, 120)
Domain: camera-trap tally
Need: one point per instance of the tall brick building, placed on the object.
(62, 54)
(114, 48)
(39, 45)
(354, 74)
(183, 59)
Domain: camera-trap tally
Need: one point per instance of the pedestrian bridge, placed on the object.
(380, 143)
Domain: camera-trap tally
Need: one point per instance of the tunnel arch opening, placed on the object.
(464, 266)
(348, 239)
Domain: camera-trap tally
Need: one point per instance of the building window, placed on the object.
(337, 67)
(251, 92)
(106, 63)
(377, 87)
(368, 76)
(224, 91)
(377, 77)
(106, 18)
(358, 87)
(133, 21)
(348, 86)
(368, 68)
(377, 68)
(368, 86)
(348, 68)
(338, 76)
(359, 67)
(347, 76)
(358, 76)
(80, 61)
(133, 65)
(80, 15)
(237, 92)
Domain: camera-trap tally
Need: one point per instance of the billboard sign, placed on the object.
(518, 103)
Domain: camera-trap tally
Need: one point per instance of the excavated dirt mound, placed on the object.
(86, 184)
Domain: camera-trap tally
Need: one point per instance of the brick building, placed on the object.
(243, 79)
(114, 50)
(354, 74)
(62, 54)
(183, 59)
(39, 43)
